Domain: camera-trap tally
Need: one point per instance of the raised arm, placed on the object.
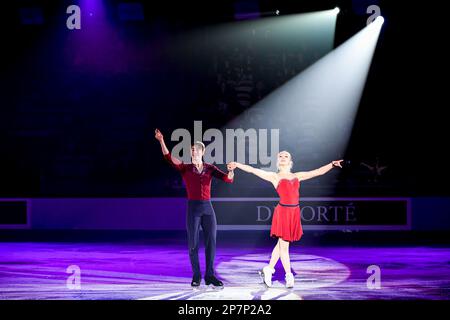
(172, 160)
(305, 175)
(266, 175)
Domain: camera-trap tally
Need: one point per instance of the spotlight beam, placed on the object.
(315, 110)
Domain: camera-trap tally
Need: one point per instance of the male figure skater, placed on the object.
(197, 176)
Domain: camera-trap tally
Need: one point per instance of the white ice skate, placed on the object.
(289, 280)
(266, 275)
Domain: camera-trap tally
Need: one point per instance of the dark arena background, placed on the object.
(91, 210)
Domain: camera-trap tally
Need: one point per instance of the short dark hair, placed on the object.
(199, 144)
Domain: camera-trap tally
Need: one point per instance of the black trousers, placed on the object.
(201, 213)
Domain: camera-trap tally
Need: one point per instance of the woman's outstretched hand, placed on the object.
(337, 163)
(231, 166)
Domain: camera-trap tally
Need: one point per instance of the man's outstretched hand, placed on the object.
(158, 135)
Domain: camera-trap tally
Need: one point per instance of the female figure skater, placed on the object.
(286, 224)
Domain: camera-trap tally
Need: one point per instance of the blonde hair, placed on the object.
(291, 163)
